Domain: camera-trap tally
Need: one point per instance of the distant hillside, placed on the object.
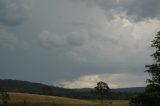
(85, 93)
(123, 90)
(132, 90)
(21, 86)
(31, 87)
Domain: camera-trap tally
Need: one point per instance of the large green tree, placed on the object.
(151, 96)
(102, 90)
(154, 69)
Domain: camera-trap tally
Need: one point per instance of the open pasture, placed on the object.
(24, 99)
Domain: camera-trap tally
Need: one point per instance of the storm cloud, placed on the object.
(13, 12)
(134, 9)
(66, 42)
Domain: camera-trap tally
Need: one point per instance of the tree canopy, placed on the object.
(102, 90)
(154, 69)
(151, 96)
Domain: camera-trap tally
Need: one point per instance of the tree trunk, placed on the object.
(101, 100)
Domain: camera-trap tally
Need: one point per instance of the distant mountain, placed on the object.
(130, 90)
(123, 90)
(21, 86)
(26, 86)
(83, 89)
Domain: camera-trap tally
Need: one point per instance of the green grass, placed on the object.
(24, 99)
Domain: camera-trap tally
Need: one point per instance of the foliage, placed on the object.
(102, 90)
(4, 96)
(151, 96)
(154, 69)
(146, 99)
(152, 88)
(48, 90)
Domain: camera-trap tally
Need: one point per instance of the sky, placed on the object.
(76, 43)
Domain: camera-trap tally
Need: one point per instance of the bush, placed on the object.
(152, 88)
(146, 99)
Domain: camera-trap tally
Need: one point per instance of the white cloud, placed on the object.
(114, 81)
(87, 81)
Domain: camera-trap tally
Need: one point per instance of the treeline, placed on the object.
(43, 89)
(72, 93)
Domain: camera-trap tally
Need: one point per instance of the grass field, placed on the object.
(24, 99)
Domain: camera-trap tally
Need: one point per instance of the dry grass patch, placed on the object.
(33, 98)
(25, 99)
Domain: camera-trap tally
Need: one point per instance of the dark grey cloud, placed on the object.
(105, 4)
(141, 9)
(7, 39)
(67, 39)
(136, 10)
(13, 12)
(64, 42)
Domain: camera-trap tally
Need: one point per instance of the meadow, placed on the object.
(25, 99)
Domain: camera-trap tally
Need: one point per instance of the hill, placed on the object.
(21, 86)
(30, 87)
(131, 90)
(123, 90)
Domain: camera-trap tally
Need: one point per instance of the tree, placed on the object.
(102, 90)
(4, 96)
(154, 69)
(47, 90)
(151, 96)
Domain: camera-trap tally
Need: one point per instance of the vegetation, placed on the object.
(101, 90)
(4, 96)
(87, 93)
(151, 96)
(154, 69)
